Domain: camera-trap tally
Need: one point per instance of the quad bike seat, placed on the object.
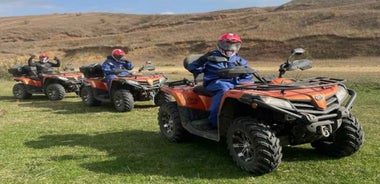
(201, 90)
(92, 70)
(19, 71)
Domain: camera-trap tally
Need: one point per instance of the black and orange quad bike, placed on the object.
(54, 84)
(256, 120)
(125, 90)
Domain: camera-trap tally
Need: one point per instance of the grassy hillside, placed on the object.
(327, 29)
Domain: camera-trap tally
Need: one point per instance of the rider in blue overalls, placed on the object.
(228, 47)
(115, 66)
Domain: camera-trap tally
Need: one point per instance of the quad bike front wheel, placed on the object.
(344, 142)
(87, 96)
(20, 92)
(123, 100)
(55, 91)
(170, 123)
(161, 98)
(253, 146)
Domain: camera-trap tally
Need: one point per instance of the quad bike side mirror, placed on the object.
(302, 64)
(145, 67)
(290, 65)
(297, 51)
(149, 68)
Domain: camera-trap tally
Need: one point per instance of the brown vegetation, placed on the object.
(326, 28)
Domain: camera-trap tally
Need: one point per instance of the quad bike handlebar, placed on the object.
(291, 65)
(288, 65)
(147, 66)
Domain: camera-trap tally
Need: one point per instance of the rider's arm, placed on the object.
(198, 66)
(195, 67)
(57, 64)
(128, 65)
(30, 61)
(107, 68)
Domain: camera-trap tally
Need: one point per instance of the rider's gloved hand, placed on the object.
(117, 71)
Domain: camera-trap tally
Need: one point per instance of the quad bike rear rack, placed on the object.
(300, 84)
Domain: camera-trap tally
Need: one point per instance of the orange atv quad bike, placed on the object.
(125, 90)
(257, 119)
(54, 84)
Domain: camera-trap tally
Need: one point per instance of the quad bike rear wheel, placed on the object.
(344, 142)
(87, 96)
(20, 92)
(55, 91)
(253, 146)
(161, 98)
(170, 123)
(123, 100)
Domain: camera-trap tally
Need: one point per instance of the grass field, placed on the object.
(46, 141)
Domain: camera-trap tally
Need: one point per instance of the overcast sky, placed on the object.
(39, 7)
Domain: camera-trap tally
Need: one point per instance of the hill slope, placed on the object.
(328, 29)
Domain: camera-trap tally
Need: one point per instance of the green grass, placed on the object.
(44, 141)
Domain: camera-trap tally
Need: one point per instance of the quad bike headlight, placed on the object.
(133, 83)
(341, 94)
(277, 102)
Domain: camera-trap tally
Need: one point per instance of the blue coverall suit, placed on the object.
(111, 69)
(212, 82)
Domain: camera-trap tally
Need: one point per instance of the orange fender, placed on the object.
(29, 81)
(185, 97)
(97, 83)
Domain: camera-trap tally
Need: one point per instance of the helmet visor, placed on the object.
(118, 57)
(44, 59)
(229, 46)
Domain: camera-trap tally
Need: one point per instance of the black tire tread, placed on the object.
(161, 98)
(24, 95)
(127, 100)
(179, 133)
(91, 101)
(347, 140)
(268, 152)
(59, 91)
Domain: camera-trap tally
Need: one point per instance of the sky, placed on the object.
(43, 7)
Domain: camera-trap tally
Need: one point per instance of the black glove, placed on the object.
(32, 56)
(283, 67)
(56, 58)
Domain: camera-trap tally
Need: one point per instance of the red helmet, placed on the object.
(44, 57)
(229, 44)
(117, 54)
